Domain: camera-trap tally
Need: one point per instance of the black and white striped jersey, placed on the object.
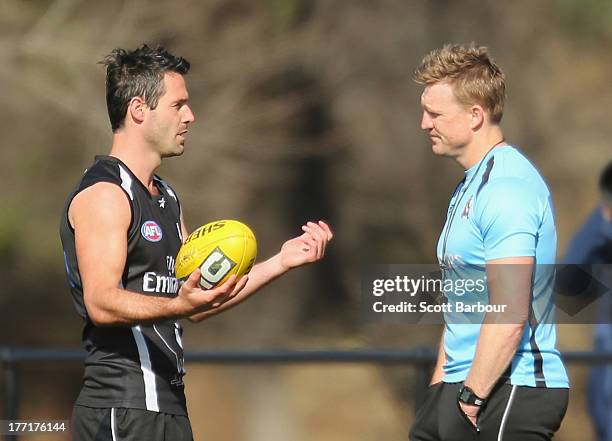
(141, 366)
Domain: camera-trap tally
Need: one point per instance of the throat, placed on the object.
(153, 189)
(476, 155)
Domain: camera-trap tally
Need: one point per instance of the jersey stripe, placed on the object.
(166, 187)
(502, 426)
(180, 233)
(486, 174)
(147, 373)
(126, 181)
(113, 424)
(71, 280)
(168, 346)
(177, 333)
(538, 361)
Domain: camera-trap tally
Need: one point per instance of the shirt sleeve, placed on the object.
(509, 214)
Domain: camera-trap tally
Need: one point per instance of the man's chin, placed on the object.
(178, 151)
(437, 149)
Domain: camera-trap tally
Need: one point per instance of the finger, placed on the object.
(312, 246)
(240, 285)
(220, 301)
(316, 228)
(323, 246)
(311, 235)
(219, 294)
(319, 229)
(317, 234)
(320, 236)
(193, 281)
(327, 230)
(225, 288)
(310, 239)
(327, 235)
(228, 285)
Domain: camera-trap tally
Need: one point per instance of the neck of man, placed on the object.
(484, 139)
(134, 152)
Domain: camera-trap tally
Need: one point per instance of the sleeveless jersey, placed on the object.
(141, 366)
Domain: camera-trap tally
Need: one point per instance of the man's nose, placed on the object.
(426, 122)
(189, 116)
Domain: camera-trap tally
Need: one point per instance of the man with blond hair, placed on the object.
(498, 375)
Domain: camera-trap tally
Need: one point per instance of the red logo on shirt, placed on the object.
(151, 231)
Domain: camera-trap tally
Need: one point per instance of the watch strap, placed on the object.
(467, 396)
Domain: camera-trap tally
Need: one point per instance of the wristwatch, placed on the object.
(467, 396)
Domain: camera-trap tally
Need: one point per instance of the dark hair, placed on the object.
(605, 182)
(137, 73)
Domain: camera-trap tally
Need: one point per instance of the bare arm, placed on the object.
(100, 216)
(301, 250)
(509, 283)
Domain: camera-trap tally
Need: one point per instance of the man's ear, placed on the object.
(477, 116)
(136, 110)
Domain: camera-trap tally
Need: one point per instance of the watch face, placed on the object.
(466, 395)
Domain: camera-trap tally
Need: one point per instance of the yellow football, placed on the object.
(220, 249)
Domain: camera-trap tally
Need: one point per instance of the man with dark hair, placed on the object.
(498, 375)
(137, 73)
(133, 383)
(592, 246)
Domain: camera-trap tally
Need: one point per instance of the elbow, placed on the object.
(516, 330)
(512, 327)
(518, 318)
(513, 320)
(95, 318)
(97, 315)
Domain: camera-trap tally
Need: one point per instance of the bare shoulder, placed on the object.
(102, 202)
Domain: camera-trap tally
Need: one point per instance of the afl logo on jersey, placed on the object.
(151, 231)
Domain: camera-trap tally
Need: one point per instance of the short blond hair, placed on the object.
(475, 76)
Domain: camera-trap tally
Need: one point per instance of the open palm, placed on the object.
(308, 247)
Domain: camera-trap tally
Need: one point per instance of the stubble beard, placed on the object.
(172, 148)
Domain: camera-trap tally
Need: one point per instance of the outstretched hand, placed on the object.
(307, 248)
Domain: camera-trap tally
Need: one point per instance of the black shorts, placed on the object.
(512, 413)
(121, 424)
